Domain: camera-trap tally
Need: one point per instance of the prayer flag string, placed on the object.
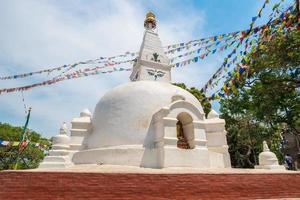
(170, 49)
(235, 79)
(233, 52)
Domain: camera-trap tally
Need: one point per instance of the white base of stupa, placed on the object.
(57, 159)
(137, 155)
(56, 162)
(270, 167)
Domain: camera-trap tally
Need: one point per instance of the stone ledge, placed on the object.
(79, 132)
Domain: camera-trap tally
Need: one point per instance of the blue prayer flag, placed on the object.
(221, 94)
(242, 70)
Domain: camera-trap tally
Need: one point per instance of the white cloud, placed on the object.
(41, 34)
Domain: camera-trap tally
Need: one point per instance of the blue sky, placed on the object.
(38, 34)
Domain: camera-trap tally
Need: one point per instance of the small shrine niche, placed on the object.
(182, 142)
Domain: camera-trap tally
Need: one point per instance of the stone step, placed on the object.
(61, 152)
(54, 165)
(56, 159)
(75, 147)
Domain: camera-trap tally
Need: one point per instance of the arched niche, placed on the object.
(185, 131)
(189, 116)
(161, 140)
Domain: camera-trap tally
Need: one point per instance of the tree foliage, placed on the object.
(270, 97)
(199, 95)
(29, 158)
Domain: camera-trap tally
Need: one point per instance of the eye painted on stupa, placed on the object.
(155, 73)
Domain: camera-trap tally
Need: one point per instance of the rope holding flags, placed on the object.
(197, 50)
(233, 52)
(170, 49)
(254, 40)
(106, 60)
(24, 143)
(77, 74)
(237, 76)
(214, 41)
(23, 100)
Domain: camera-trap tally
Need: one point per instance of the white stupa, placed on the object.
(268, 159)
(147, 122)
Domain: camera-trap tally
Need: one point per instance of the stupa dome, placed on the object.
(123, 115)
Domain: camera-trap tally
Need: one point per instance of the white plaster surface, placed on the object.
(135, 124)
(123, 115)
(118, 155)
(212, 114)
(151, 45)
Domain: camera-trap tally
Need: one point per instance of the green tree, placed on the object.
(199, 95)
(30, 157)
(268, 98)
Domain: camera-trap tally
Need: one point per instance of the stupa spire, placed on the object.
(152, 63)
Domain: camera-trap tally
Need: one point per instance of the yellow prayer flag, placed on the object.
(15, 144)
(259, 10)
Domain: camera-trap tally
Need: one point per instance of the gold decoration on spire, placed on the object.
(150, 21)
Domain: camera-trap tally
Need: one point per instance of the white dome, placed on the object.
(85, 113)
(123, 115)
(212, 114)
(268, 158)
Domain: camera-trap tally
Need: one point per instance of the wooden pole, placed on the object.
(298, 7)
(23, 138)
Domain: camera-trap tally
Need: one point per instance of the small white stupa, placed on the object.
(268, 159)
(149, 122)
(59, 154)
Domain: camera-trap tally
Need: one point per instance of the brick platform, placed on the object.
(78, 185)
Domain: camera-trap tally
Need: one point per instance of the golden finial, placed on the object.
(150, 21)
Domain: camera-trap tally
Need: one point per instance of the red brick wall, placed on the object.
(67, 185)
